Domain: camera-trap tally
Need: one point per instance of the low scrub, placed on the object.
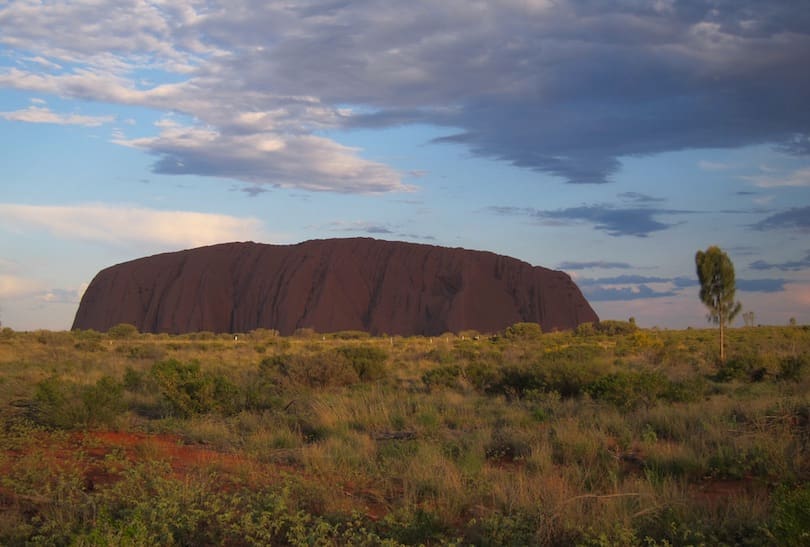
(67, 405)
(604, 437)
(188, 391)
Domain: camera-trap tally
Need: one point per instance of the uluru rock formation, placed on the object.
(330, 285)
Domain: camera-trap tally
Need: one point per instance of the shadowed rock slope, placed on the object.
(330, 285)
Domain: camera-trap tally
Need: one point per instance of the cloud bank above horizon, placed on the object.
(262, 85)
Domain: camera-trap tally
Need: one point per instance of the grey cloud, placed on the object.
(607, 289)
(626, 280)
(253, 191)
(604, 294)
(788, 266)
(607, 265)
(797, 218)
(638, 197)
(566, 88)
(615, 221)
(761, 285)
(417, 236)
(307, 162)
(370, 228)
(375, 229)
(684, 282)
(611, 289)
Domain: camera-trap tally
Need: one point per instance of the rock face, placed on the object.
(330, 285)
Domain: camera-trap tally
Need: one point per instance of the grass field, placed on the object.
(609, 435)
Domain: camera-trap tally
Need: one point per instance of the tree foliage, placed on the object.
(717, 288)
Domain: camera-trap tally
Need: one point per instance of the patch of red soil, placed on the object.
(183, 458)
(101, 457)
(719, 491)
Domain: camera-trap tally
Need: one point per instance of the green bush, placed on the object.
(367, 361)
(793, 367)
(441, 356)
(446, 376)
(730, 463)
(614, 328)
(351, 335)
(67, 405)
(568, 379)
(482, 375)
(686, 391)
(791, 516)
(516, 380)
(523, 331)
(189, 391)
(507, 445)
(88, 340)
(629, 390)
(417, 527)
(742, 367)
(312, 370)
(122, 331)
(149, 352)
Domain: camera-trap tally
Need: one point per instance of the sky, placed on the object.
(610, 139)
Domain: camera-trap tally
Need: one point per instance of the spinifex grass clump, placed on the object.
(610, 435)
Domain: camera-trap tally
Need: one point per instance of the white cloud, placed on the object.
(63, 296)
(38, 114)
(798, 178)
(123, 225)
(307, 162)
(13, 286)
(44, 62)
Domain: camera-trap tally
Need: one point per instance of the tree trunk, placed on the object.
(722, 342)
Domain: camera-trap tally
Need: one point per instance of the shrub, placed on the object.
(367, 361)
(730, 463)
(351, 335)
(87, 340)
(612, 327)
(793, 367)
(523, 331)
(791, 516)
(446, 376)
(189, 391)
(122, 331)
(483, 376)
(414, 528)
(685, 391)
(67, 405)
(320, 369)
(741, 367)
(504, 529)
(152, 352)
(507, 445)
(629, 390)
(516, 380)
(442, 356)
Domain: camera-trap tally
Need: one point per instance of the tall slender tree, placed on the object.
(717, 288)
